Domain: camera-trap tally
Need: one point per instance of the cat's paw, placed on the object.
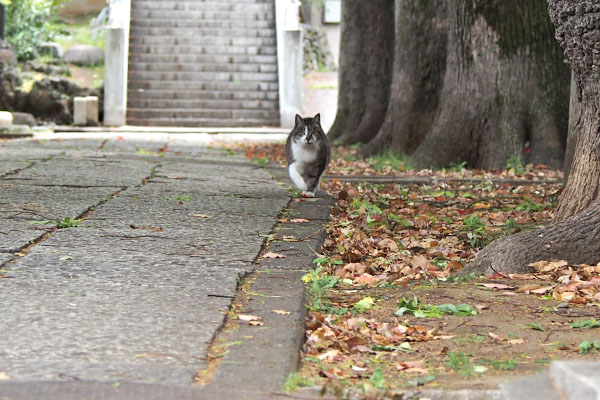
(308, 194)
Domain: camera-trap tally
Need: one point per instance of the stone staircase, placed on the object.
(201, 63)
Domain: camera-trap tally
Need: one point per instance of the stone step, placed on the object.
(198, 15)
(203, 58)
(201, 67)
(203, 76)
(137, 31)
(165, 94)
(220, 50)
(211, 1)
(202, 40)
(149, 94)
(576, 380)
(208, 1)
(182, 113)
(201, 24)
(221, 6)
(203, 122)
(564, 380)
(200, 63)
(536, 387)
(210, 85)
(203, 104)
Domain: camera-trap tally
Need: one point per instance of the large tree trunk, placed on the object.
(576, 239)
(366, 57)
(576, 235)
(419, 65)
(505, 88)
(574, 117)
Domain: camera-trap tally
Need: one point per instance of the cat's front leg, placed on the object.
(297, 178)
(312, 186)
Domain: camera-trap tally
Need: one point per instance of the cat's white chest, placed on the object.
(303, 153)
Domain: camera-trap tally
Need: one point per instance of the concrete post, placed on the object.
(115, 64)
(79, 111)
(289, 60)
(85, 111)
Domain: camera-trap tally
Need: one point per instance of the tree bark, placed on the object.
(505, 89)
(575, 236)
(576, 239)
(574, 117)
(366, 57)
(419, 65)
(578, 30)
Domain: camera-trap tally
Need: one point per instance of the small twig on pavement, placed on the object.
(310, 236)
(220, 296)
(291, 396)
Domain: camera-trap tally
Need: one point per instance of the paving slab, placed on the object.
(536, 387)
(576, 380)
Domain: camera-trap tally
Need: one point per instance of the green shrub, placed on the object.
(26, 24)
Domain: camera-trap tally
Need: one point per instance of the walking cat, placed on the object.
(308, 152)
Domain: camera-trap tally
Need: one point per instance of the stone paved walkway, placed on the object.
(138, 289)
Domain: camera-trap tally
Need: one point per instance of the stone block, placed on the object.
(15, 131)
(85, 111)
(8, 56)
(84, 55)
(92, 110)
(21, 118)
(6, 119)
(535, 387)
(576, 380)
(53, 49)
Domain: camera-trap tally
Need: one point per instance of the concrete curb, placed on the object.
(268, 354)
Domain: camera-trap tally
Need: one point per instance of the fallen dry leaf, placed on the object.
(247, 317)
(412, 367)
(329, 355)
(281, 312)
(421, 262)
(543, 290)
(273, 255)
(497, 286)
(299, 220)
(205, 216)
(527, 288)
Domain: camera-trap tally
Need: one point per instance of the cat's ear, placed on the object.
(317, 118)
(298, 120)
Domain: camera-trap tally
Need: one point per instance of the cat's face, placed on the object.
(308, 130)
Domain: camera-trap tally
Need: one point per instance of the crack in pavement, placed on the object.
(31, 164)
(24, 250)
